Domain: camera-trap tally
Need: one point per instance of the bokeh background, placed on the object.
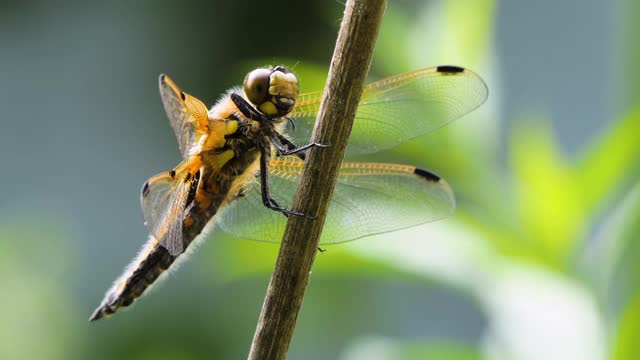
(539, 261)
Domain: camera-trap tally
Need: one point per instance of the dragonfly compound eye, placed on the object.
(273, 92)
(256, 85)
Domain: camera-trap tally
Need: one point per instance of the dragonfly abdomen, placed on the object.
(152, 261)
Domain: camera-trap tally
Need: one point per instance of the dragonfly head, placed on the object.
(273, 91)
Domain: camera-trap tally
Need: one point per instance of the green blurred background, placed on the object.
(539, 261)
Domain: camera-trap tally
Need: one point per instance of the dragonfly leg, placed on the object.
(267, 200)
(286, 147)
(247, 109)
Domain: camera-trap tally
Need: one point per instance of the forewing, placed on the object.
(188, 116)
(370, 198)
(164, 200)
(399, 108)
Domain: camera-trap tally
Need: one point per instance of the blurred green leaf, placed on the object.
(385, 348)
(35, 295)
(434, 351)
(438, 351)
(391, 55)
(612, 159)
(239, 258)
(236, 258)
(625, 344)
(619, 250)
(470, 24)
(455, 32)
(549, 200)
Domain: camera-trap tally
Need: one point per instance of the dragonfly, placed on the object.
(241, 162)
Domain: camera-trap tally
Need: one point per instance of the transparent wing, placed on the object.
(188, 116)
(164, 200)
(370, 198)
(399, 108)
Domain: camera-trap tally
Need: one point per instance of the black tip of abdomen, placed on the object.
(97, 314)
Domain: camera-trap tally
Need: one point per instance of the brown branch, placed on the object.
(349, 68)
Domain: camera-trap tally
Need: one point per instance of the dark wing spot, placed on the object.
(162, 78)
(450, 69)
(182, 96)
(172, 173)
(427, 175)
(145, 189)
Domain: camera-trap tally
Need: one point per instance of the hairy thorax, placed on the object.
(229, 157)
